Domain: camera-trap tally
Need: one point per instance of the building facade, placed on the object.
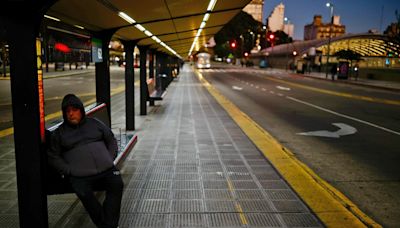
(276, 18)
(255, 9)
(276, 21)
(319, 30)
(288, 29)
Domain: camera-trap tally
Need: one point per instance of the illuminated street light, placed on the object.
(329, 5)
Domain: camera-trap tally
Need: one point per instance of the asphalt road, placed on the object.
(349, 135)
(83, 85)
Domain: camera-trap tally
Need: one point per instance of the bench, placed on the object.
(55, 183)
(154, 93)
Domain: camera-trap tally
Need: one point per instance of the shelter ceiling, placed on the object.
(221, 18)
(169, 20)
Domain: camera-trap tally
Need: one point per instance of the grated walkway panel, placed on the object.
(194, 167)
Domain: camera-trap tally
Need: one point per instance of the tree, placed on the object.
(348, 55)
(393, 30)
(242, 29)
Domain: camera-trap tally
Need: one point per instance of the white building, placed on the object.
(288, 29)
(255, 9)
(276, 21)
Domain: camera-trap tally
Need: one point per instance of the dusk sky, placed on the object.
(358, 16)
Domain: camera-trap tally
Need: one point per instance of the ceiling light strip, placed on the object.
(130, 20)
(126, 18)
(210, 8)
(211, 5)
(52, 18)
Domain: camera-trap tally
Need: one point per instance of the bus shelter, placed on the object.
(172, 30)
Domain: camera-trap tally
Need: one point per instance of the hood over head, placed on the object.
(74, 101)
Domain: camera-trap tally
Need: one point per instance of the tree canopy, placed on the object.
(348, 55)
(242, 30)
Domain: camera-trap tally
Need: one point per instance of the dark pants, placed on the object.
(104, 215)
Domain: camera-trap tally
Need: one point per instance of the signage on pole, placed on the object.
(97, 50)
(40, 88)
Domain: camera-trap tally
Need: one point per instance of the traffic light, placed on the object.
(271, 36)
(233, 44)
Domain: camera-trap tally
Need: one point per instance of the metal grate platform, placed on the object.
(193, 167)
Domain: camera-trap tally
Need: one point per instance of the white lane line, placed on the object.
(279, 94)
(263, 89)
(283, 88)
(237, 88)
(272, 92)
(345, 116)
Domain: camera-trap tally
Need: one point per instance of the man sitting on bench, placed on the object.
(82, 149)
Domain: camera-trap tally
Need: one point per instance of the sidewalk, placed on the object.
(389, 85)
(379, 84)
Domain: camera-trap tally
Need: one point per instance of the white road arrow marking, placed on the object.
(344, 129)
(283, 88)
(237, 88)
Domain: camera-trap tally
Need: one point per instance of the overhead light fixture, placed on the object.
(206, 16)
(140, 27)
(156, 39)
(211, 5)
(126, 17)
(199, 32)
(52, 18)
(78, 26)
(210, 8)
(148, 33)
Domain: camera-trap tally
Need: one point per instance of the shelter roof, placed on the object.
(169, 26)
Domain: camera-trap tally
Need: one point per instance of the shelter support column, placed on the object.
(143, 83)
(103, 91)
(129, 47)
(151, 63)
(151, 69)
(20, 33)
(162, 70)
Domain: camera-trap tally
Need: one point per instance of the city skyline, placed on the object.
(368, 16)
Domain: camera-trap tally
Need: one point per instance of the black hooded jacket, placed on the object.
(86, 149)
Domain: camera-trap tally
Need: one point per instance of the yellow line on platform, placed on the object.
(238, 207)
(330, 92)
(331, 206)
(10, 131)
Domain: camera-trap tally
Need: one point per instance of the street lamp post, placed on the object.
(329, 5)
(286, 21)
